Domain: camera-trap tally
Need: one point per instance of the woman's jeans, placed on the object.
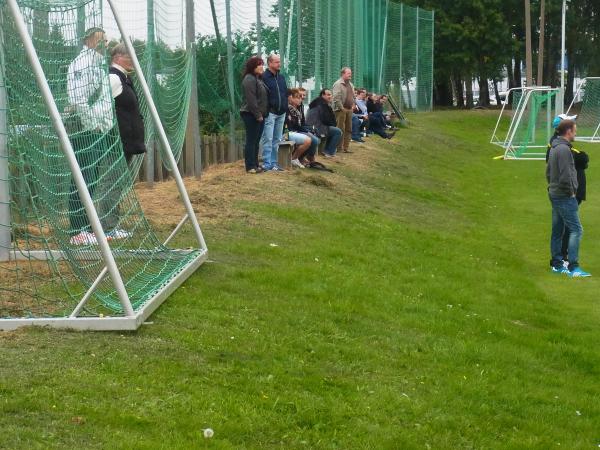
(254, 130)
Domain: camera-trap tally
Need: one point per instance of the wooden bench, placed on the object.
(284, 154)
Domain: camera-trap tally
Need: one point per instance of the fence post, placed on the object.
(230, 72)
(299, 40)
(258, 30)
(193, 144)
(417, 65)
(152, 148)
(5, 220)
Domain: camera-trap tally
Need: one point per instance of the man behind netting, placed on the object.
(90, 98)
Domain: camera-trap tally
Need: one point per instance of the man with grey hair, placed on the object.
(343, 102)
(131, 132)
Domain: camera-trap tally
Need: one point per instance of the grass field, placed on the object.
(403, 302)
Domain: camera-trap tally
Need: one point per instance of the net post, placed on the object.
(417, 62)
(318, 44)
(193, 143)
(281, 21)
(5, 220)
(299, 40)
(258, 29)
(384, 43)
(152, 148)
(231, 149)
(67, 148)
(159, 128)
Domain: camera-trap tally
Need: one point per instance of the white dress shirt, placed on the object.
(88, 89)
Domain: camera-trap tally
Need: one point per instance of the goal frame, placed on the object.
(507, 142)
(595, 137)
(132, 318)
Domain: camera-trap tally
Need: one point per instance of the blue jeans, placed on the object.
(271, 137)
(356, 135)
(334, 135)
(565, 214)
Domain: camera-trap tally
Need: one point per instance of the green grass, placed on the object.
(415, 310)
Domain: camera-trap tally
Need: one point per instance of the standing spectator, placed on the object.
(273, 129)
(343, 102)
(88, 89)
(253, 111)
(321, 116)
(562, 189)
(131, 131)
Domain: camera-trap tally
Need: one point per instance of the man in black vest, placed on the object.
(131, 131)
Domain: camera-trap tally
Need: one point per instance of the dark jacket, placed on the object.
(254, 94)
(277, 92)
(373, 107)
(581, 160)
(129, 118)
(321, 116)
(560, 169)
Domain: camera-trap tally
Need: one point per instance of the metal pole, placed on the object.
(159, 128)
(417, 65)
(328, 78)
(401, 54)
(258, 29)
(281, 18)
(432, 57)
(5, 220)
(67, 148)
(193, 143)
(299, 40)
(563, 50)
(232, 152)
(151, 153)
(387, 5)
(318, 44)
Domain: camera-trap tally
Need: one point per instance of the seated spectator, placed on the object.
(321, 116)
(306, 143)
(360, 116)
(377, 122)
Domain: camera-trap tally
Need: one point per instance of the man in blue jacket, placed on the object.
(274, 122)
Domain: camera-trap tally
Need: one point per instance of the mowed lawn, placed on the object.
(403, 302)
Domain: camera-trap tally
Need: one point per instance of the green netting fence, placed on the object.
(192, 54)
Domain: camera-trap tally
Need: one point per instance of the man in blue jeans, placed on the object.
(278, 104)
(562, 190)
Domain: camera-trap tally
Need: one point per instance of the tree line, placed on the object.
(484, 40)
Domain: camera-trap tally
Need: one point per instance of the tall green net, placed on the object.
(388, 45)
(586, 105)
(49, 259)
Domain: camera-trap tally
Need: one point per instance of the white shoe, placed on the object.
(83, 238)
(298, 164)
(118, 233)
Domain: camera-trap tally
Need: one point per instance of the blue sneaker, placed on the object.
(276, 168)
(577, 272)
(560, 269)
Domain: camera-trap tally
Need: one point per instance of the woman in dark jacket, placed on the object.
(253, 110)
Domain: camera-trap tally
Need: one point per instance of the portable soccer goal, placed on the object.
(108, 282)
(525, 130)
(586, 105)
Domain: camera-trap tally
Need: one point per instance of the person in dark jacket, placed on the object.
(581, 160)
(562, 189)
(321, 116)
(305, 142)
(376, 117)
(130, 123)
(275, 121)
(253, 111)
